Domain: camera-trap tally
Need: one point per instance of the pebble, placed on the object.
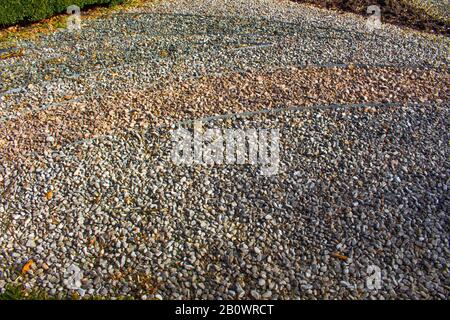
(193, 227)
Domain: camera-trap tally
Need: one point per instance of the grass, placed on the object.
(416, 14)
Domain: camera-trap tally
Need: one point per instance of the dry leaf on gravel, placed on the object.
(164, 53)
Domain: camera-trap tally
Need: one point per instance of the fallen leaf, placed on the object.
(339, 256)
(27, 266)
(12, 54)
(57, 60)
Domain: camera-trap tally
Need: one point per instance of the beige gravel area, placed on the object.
(175, 100)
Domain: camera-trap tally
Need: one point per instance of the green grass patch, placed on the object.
(18, 292)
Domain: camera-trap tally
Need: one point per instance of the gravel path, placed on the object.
(152, 44)
(86, 178)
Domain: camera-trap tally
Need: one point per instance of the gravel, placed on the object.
(87, 182)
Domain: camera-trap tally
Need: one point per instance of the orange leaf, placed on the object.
(27, 266)
(49, 195)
